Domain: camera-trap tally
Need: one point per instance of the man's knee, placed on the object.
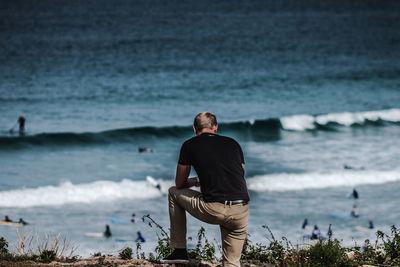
(172, 189)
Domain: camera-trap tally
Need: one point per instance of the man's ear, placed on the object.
(215, 128)
(194, 130)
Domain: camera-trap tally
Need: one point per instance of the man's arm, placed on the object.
(182, 174)
(181, 178)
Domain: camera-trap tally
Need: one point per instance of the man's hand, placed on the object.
(194, 181)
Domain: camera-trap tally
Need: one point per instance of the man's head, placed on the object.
(205, 122)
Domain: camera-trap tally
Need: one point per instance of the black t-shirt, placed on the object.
(218, 162)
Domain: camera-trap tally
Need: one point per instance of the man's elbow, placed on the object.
(179, 185)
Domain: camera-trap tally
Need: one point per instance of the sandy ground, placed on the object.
(104, 261)
(114, 261)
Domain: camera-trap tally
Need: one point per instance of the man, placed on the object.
(354, 212)
(21, 122)
(223, 200)
(315, 234)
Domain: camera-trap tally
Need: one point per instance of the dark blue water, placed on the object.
(306, 87)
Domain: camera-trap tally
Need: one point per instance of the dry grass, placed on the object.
(32, 244)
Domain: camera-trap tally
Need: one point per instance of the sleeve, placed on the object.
(240, 152)
(184, 155)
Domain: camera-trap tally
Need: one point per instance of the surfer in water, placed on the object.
(133, 220)
(305, 223)
(22, 221)
(354, 212)
(371, 224)
(316, 233)
(21, 122)
(355, 194)
(140, 237)
(145, 150)
(6, 219)
(329, 233)
(107, 232)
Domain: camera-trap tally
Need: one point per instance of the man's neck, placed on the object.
(211, 131)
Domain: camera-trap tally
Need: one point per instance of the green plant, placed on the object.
(3, 246)
(46, 256)
(256, 252)
(202, 251)
(163, 248)
(126, 253)
(391, 246)
(328, 253)
(368, 254)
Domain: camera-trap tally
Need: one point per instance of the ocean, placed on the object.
(310, 90)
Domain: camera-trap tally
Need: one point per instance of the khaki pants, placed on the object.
(232, 220)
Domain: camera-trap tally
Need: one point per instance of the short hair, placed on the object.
(204, 120)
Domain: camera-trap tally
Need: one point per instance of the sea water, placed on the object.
(310, 90)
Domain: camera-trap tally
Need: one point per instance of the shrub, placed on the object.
(391, 246)
(126, 254)
(328, 253)
(46, 256)
(3, 246)
(202, 251)
(163, 249)
(274, 253)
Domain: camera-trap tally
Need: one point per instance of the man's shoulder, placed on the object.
(220, 138)
(228, 139)
(190, 140)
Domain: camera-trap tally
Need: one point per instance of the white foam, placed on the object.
(307, 122)
(298, 122)
(291, 181)
(67, 193)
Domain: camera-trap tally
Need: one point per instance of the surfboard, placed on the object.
(365, 229)
(11, 223)
(152, 181)
(309, 237)
(94, 234)
(343, 216)
(118, 221)
(124, 240)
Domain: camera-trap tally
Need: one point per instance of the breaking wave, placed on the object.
(105, 191)
(259, 130)
(68, 193)
(295, 181)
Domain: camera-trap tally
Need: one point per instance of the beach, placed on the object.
(310, 90)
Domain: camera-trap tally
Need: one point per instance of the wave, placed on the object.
(293, 182)
(68, 193)
(257, 130)
(308, 122)
(106, 191)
